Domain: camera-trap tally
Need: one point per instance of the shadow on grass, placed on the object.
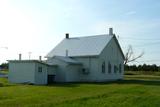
(6, 85)
(133, 81)
(139, 82)
(77, 84)
(71, 84)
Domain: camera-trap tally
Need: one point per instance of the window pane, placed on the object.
(39, 69)
(103, 67)
(109, 67)
(115, 69)
(120, 68)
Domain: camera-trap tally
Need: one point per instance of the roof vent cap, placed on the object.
(110, 31)
(67, 35)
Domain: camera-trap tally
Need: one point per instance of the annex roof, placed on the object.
(81, 46)
(67, 60)
(31, 61)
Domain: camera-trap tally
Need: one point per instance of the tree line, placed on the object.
(143, 67)
(4, 66)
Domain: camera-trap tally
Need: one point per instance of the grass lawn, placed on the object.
(134, 91)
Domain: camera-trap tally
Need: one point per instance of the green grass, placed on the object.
(134, 91)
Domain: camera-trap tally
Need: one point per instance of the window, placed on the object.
(85, 71)
(109, 67)
(120, 68)
(115, 69)
(39, 69)
(103, 67)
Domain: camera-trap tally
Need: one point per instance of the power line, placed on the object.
(4, 47)
(145, 44)
(158, 60)
(139, 38)
(142, 42)
(148, 44)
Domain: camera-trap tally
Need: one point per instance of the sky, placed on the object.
(34, 27)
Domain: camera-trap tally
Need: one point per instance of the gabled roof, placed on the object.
(67, 60)
(119, 46)
(81, 46)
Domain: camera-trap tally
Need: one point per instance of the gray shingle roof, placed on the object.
(81, 46)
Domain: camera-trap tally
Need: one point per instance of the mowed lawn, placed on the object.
(134, 91)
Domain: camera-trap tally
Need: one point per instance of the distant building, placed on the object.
(96, 58)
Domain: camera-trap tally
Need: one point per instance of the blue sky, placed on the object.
(36, 26)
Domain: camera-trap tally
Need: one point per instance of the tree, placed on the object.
(4, 66)
(130, 57)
